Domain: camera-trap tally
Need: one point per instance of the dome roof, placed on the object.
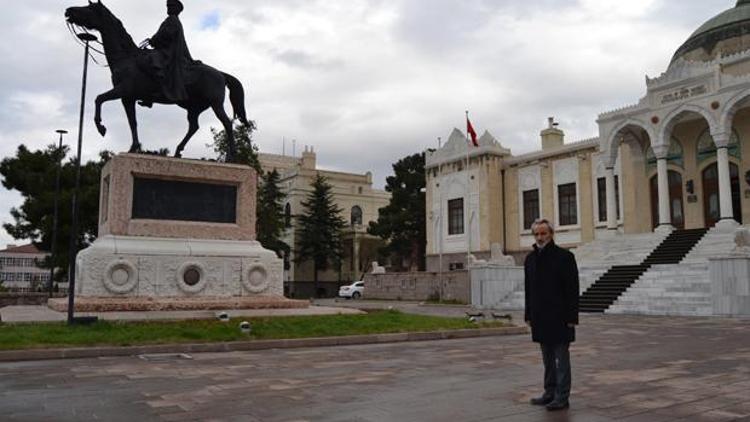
(729, 31)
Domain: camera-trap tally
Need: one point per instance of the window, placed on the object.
(530, 208)
(456, 216)
(288, 215)
(356, 219)
(568, 204)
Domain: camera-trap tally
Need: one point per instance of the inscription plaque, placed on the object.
(159, 199)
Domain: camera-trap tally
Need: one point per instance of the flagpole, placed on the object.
(468, 196)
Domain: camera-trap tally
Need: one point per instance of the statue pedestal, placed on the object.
(176, 231)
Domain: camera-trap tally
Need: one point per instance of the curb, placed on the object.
(238, 346)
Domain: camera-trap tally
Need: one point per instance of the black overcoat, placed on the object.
(172, 58)
(551, 286)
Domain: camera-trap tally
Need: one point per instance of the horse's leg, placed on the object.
(192, 116)
(112, 94)
(129, 105)
(227, 122)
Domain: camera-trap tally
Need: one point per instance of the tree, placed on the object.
(246, 150)
(401, 224)
(320, 229)
(270, 224)
(33, 175)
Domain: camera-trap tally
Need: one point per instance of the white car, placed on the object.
(352, 291)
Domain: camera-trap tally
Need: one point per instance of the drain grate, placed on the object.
(165, 357)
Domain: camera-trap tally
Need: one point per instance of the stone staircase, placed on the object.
(595, 258)
(677, 289)
(683, 289)
(587, 276)
(619, 278)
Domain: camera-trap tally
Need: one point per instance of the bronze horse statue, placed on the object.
(132, 81)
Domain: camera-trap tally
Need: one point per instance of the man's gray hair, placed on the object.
(540, 221)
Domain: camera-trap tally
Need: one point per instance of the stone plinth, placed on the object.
(493, 284)
(122, 174)
(179, 232)
(730, 285)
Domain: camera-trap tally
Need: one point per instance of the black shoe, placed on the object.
(541, 401)
(558, 405)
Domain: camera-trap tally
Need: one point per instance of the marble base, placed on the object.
(730, 285)
(129, 266)
(727, 225)
(664, 229)
(146, 304)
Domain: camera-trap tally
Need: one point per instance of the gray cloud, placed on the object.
(364, 81)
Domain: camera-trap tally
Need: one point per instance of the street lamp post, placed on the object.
(73, 249)
(55, 215)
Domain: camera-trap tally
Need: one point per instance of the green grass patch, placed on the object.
(107, 333)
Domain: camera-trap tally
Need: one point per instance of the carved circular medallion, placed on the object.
(191, 277)
(120, 277)
(655, 120)
(256, 278)
(715, 105)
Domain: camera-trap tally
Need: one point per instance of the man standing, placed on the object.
(551, 286)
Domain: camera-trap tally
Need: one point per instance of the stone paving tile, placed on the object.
(624, 368)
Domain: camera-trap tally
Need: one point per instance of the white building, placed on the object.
(20, 267)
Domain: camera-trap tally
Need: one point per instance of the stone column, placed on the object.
(665, 219)
(611, 200)
(725, 183)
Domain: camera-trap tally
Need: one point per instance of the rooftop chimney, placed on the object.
(308, 158)
(552, 137)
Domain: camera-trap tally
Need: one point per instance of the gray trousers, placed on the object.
(557, 377)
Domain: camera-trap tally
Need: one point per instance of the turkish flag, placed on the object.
(470, 131)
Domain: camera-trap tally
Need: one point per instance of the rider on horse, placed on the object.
(171, 59)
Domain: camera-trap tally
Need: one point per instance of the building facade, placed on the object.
(20, 267)
(352, 192)
(678, 159)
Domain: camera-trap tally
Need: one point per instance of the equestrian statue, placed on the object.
(165, 73)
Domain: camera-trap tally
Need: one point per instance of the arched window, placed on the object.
(674, 155)
(707, 147)
(288, 215)
(356, 216)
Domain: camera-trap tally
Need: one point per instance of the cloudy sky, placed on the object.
(365, 82)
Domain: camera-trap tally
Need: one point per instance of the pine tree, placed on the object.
(320, 229)
(402, 222)
(270, 222)
(32, 173)
(247, 151)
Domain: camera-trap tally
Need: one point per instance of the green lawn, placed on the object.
(30, 336)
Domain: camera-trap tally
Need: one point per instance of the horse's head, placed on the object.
(93, 16)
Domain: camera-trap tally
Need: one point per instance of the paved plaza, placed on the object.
(624, 368)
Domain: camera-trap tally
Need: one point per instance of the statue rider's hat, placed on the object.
(177, 4)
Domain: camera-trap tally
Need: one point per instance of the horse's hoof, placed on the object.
(177, 155)
(102, 130)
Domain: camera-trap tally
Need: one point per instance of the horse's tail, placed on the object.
(236, 97)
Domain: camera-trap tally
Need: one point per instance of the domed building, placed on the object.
(661, 190)
(688, 131)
